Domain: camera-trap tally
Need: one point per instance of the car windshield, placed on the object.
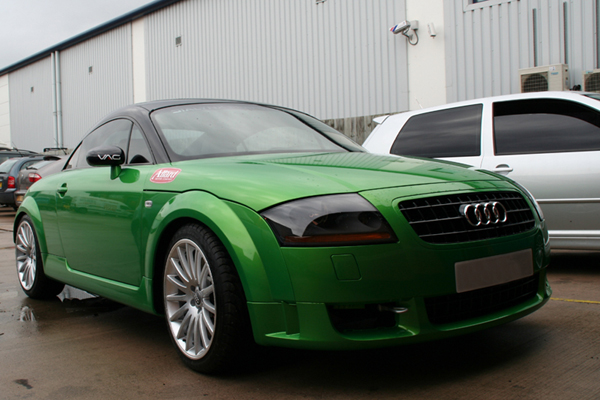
(225, 129)
(7, 165)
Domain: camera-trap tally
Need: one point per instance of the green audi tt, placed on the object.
(247, 223)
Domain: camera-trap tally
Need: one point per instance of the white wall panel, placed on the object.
(88, 96)
(138, 55)
(426, 59)
(487, 43)
(31, 117)
(333, 60)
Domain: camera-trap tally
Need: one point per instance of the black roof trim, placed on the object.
(113, 23)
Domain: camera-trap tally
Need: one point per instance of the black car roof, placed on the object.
(151, 106)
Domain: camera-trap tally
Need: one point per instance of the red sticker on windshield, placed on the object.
(165, 175)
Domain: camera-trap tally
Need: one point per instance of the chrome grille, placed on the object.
(438, 219)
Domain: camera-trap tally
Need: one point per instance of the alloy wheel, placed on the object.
(190, 303)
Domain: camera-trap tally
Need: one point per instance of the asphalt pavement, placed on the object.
(84, 347)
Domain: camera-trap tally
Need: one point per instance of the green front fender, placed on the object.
(246, 236)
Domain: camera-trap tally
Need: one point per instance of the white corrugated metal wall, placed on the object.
(4, 111)
(31, 116)
(88, 95)
(333, 60)
(487, 43)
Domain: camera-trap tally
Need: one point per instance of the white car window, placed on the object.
(455, 132)
(545, 126)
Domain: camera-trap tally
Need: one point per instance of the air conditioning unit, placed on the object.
(591, 81)
(546, 78)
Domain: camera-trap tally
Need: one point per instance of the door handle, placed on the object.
(62, 190)
(502, 168)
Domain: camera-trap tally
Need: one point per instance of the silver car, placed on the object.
(548, 142)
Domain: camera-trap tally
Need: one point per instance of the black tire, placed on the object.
(30, 268)
(205, 306)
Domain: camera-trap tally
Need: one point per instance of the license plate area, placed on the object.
(492, 271)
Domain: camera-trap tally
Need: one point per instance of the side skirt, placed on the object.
(130, 295)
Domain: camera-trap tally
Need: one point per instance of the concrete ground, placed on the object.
(90, 348)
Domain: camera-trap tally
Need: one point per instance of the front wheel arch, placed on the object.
(219, 217)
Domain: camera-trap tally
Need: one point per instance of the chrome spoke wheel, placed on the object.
(190, 303)
(30, 265)
(26, 253)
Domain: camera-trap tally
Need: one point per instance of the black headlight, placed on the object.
(335, 220)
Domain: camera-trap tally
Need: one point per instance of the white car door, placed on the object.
(552, 147)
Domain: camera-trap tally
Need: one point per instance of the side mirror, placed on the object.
(112, 156)
(104, 156)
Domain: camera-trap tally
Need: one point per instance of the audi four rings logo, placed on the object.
(482, 214)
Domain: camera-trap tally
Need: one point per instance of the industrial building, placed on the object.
(334, 59)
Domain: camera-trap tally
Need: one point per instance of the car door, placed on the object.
(552, 147)
(100, 218)
(452, 134)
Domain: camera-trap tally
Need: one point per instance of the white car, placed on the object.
(548, 142)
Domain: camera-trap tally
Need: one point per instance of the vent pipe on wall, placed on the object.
(535, 37)
(566, 31)
(59, 101)
(54, 112)
(597, 33)
(56, 99)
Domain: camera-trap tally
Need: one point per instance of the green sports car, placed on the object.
(247, 223)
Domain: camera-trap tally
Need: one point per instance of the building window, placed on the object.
(469, 5)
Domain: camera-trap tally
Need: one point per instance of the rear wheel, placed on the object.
(205, 306)
(30, 268)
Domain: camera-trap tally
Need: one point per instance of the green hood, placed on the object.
(262, 181)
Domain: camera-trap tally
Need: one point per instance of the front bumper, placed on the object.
(309, 325)
(351, 297)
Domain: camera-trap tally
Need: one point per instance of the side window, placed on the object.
(545, 126)
(138, 153)
(446, 133)
(113, 133)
